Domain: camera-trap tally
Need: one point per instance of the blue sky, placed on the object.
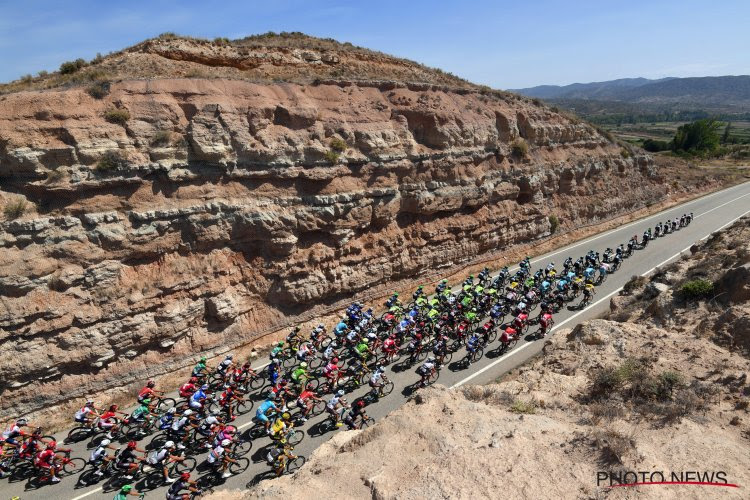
(505, 44)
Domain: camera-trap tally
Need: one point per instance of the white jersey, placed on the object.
(215, 454)
(98, 454)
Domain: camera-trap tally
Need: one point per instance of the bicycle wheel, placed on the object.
(477, 355)
(73, 466)
(289, 362)
(318, 408)
(433, 377)
(165, 404)
(157, 441)
(239, 466)
(366, 422)
(447, 358)
(77, 434)
(388, 388)
(256, 383)
(295, 437)
(294, 464)
(314, 383)
(187, 464)
(244, 406)
(492, 337)
(243, 448)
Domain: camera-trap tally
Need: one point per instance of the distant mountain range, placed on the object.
(720, 94)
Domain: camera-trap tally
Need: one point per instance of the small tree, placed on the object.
(69, 67)
(118, 116)
(700, 136)
(15, 209)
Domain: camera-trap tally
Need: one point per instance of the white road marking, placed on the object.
(89, 493)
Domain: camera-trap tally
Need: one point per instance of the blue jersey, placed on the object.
(197, 395)
(340, 328)
(265, 406)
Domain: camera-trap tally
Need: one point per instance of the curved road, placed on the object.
(712, 212)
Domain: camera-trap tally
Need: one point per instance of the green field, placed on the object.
(664, 131)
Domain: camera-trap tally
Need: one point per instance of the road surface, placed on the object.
(712, 212)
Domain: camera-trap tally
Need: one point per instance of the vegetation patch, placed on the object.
(162, 138)
(697, 289)
(70, 67)
(332, 156)
(525, 407)
(519, 148)
(337, 145)
(15, 209)
(98, 90)
(118, 116)
(554, 223)
(111, 160)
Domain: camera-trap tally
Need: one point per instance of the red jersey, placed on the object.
(145, 392)
(45, 458)
(187, 389)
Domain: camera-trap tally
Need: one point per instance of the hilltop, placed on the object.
(269, 58)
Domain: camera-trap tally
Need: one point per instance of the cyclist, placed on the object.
(300, 375)
(188, 388)
(183, 483)
(142, 412)
(378, 380)
(293, 339)
(46, 460)
(357, 411)
(108, 421)
(13, 432)
(200, 370)
(148, 391)
(427, 369)
(87, 414)
(362, 350)
(198, 399)
(274, 371)
(125, 492)
(180, 427)
(440, 349)
(207, 427)
(166, 420)
(336, 401)
(162, 457)
(277, 350)
(264, 408)
(127, 460)
(225, 366)
(331, 371)
(281, 426)
(218, 460)
(99, 457)
(440, 288)
(306, 401)
(278, 456)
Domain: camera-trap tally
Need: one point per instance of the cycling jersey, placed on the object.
(376, 377)
(98, 454)
(198, 369)
(146, 392)
(176, 487)
(215, 454)
(197, 396)
(299, 373)
(45, 458)
(157, 456)
(178, 425)
(12, 432)
(187, 389)
(278, 426)
(305, 395)
(207, 424)
(264, 407)
(140, 412)
(82, 413)
(426, 368)
(333, 402)
(223, 365)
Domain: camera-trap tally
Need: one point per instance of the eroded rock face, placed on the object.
(229, 215)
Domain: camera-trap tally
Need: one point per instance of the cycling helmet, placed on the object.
(89, 402)
(131, 444)
(420, 287)
(226, 442)
(431, 359)
(361, 403)
(203, 359)
(169, 444)
(395, 294)
(185, 476)
(229, 356)
(335, 360)
(303, 365)
(146, 401)
(286, 416)
(105, 442)
(51, 445)
(171, 411)
(280, 344)
(340, 392)
(365, 341)
(150, 383)
(113, 407)
(321, 326)
(21, 422)
(187, 412)
(193, 380)
(204, 387)
(444, 281)
(126, 488)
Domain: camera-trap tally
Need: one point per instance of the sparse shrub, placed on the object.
(554, 223)
(27, 79)
(42, 73)
(169, 35)
(54, 176)
(70, 67)
(625, 153)
(634, 283)
(526, 407)
(593, 339)
(337, 145)
(613, 445)
(98, 90)
(519, 148)
(99, 58)
(15, 209)
(111, 160)
(220, 40)
(118, 116)
(162, 138)
(55, 283)
(332, 156)
(697, 289)
(536, 102)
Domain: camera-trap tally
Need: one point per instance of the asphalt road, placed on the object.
(712, 212)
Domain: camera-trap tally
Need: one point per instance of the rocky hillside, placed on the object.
(642, 392)
(164, 217)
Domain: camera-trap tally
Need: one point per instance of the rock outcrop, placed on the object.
(174, 216)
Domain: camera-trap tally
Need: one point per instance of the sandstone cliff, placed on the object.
(173, 216)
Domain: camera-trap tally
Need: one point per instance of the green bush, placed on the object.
(69, 67)
(118, 116)
(338, 145)
(625, 153)
(654, 146)
(98, 90)
(697, 289)
(111, 160)
(523, 407)
(519, 148)
(554, 223)
(15, 209)
(698, 137)
(162, 138)
(332, 156)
